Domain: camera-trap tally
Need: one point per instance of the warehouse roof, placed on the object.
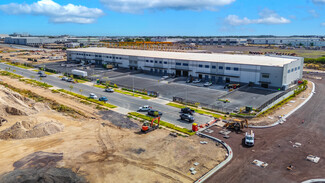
(205, 57)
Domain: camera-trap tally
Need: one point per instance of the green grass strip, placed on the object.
(125, 92)
(36, 83)
(163, 123)
(11, 75)
(88, 99)
(200, 111)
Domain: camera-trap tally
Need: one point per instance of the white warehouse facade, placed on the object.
(265, 71)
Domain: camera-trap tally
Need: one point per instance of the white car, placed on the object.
(197, 81)
(165, 77)
(109, 90)
(64, 78)
(145, 108)
(93, 96)
(249, 139)
(207, 84)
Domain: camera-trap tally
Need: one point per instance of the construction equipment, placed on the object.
(237, 124)
(148, 127)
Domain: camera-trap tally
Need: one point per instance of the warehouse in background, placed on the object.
(264, 71)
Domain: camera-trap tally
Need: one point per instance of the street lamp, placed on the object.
(133, 85)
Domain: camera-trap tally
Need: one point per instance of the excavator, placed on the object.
(148, 127)
(237, 124)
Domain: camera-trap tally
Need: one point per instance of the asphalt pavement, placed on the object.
(125, 103)
(275, 146)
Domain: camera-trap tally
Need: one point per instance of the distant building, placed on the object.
(265, 71)
(216, 41)
(72, 45)
(2, 36)
(291, 41)
(32, 41)
(84, 41)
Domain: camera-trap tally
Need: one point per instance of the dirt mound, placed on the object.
(38, 159)
(12, 103)
(42, 175)
(28, 129)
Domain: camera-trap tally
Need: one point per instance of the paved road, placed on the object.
(275, 147)
(124, 102)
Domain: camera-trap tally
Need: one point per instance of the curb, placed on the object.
(290, 113)
(222, 164)
(313, 180)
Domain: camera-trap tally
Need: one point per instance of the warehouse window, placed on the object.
(160, 62)
(207, 66)
(220, 67)
(295, 68)
(147, 60)
(178, 64)
(236, 69)
(227, 68)
(200, 65)
(151, 61)
(185, 64)
(292, 70)
(213, 67)
(289, 71)
(165, 62)
(156, 62)
(298, 67)
(264, 75)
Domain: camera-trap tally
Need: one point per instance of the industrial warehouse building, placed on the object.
(32, 41)
(265, 71)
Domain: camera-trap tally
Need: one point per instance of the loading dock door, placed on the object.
(178, 72)
(213, 79)
(185, 73)
(227, 80)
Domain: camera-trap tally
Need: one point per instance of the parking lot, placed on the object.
(169, 88)
(247, 96)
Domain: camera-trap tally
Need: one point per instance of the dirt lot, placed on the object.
(11, 54)
(95, 149)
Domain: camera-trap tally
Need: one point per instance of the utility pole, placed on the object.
(133, 85)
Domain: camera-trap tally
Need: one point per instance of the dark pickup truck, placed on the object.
(187, 117)
(187, 110)
(154, 113)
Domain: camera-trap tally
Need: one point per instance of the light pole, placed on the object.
(133, 84)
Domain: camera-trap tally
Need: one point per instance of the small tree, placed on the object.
(115, 85)
(71, 87)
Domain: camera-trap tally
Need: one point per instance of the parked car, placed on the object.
(109, 90)
(70, 80)
(187, 117)
(40, 72)
(207, 84)
(187, 110)
(145, 108)
(42, 75)
(249, 139)
(64, 78)
(189, 80)
(93, 96)
(104, 99)
(197, 81)
(165, 77)
(154, 113)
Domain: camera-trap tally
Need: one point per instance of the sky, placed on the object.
(163, 17)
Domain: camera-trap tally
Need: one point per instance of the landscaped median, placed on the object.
(86, 98)
(163, 123)
(36, 83)
(200, 111)
(126, 92)
(11, 75)
(48, 73)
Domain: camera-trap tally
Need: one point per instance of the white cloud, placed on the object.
(319, 1)
(266, 17)
(57, 13)
(313, 13)
(323, 24)
(136, 6)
